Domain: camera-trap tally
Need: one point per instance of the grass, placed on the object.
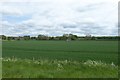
(106, 51)
(60, 59)
(26, 68)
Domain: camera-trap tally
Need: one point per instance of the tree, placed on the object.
(9, 38)
(88, 37)
(3, 37)
(42, 37)
(26, 37)
(66, 37)
(72, 37)
(33, 38)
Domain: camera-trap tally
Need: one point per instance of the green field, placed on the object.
(79, 51)
(106, 51)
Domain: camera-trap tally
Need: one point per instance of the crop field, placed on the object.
(105, 51)
(55, 52)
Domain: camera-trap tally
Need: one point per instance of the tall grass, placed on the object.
(44, 68)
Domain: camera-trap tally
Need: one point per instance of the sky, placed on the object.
(58, 17)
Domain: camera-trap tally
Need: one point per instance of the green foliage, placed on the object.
(43, 68)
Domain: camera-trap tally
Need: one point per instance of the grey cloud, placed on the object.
(89, 7)
(68, 25)
(54, 19)
(79, 29)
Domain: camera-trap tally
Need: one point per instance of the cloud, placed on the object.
(53, 17)
(8, 10)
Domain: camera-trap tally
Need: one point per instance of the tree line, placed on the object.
(67, 37)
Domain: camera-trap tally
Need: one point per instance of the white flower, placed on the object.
(60, 67)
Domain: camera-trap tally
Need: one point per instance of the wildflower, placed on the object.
(37, 62)
(59, 67)
(112, 64)
(66, 61)
(1, 58)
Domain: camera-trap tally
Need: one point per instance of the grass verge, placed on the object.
(44, 68)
